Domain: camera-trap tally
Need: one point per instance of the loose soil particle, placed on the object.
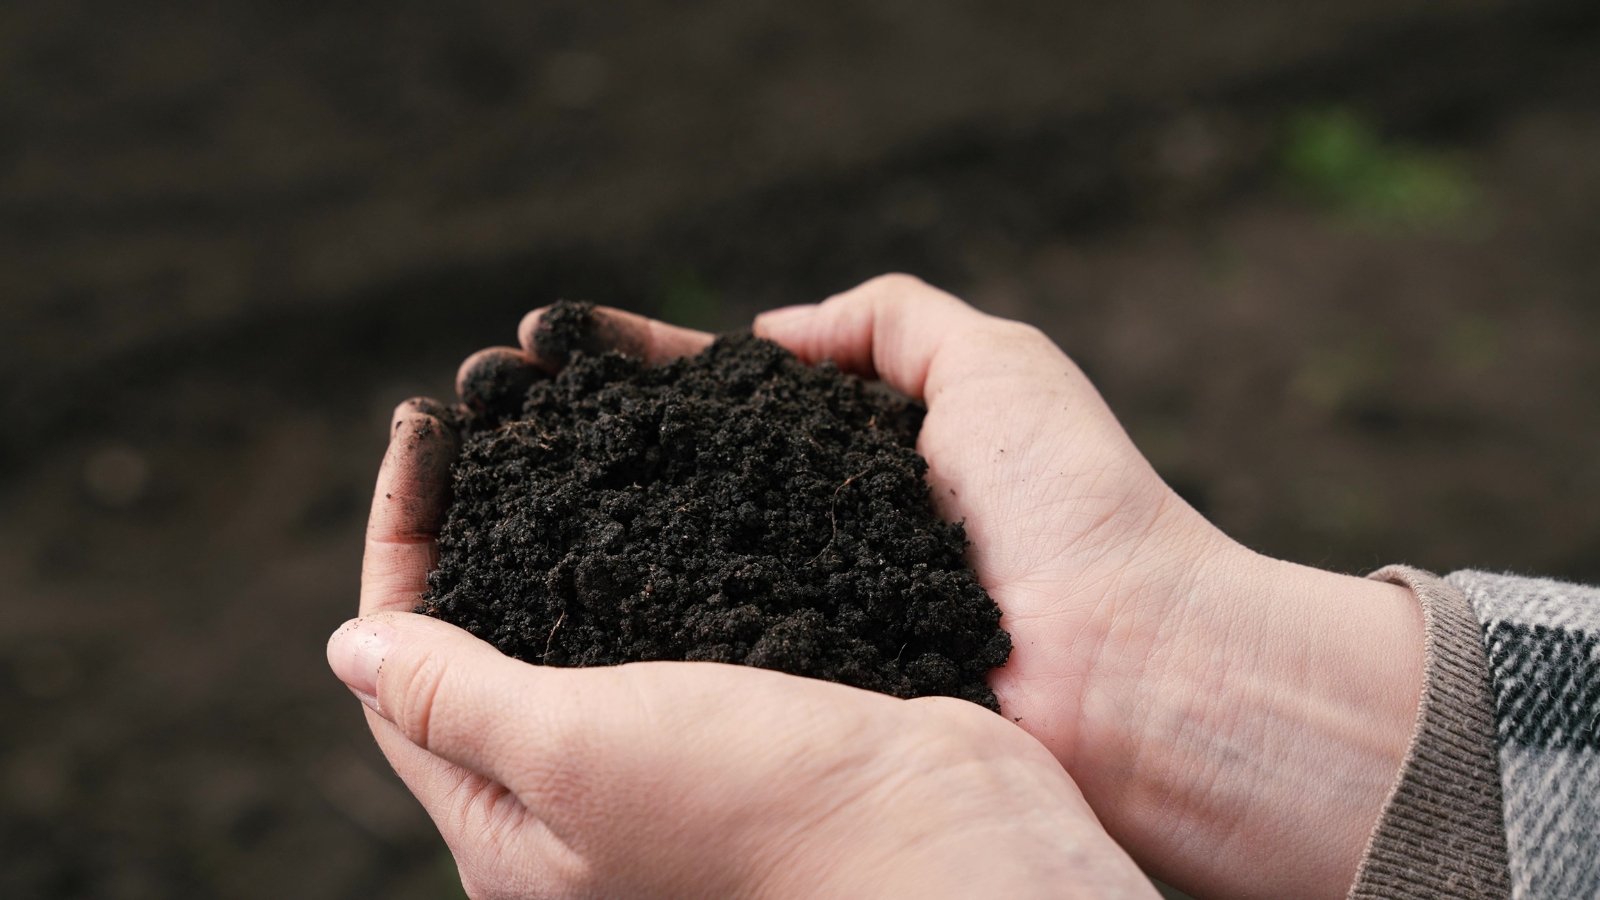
(736, 506)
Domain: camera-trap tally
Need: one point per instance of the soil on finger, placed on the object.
(570, 327)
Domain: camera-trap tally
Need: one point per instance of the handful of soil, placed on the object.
(737, 506)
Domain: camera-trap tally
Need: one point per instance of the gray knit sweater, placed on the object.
(1500, 791)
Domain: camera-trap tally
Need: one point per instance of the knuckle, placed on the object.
(879, 294)
(488, 848)
(897, 283)
(1014, 333)
(1007, 339)
(417, 687)
(1028, 332)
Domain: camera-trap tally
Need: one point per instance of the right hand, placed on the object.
(1237, 722)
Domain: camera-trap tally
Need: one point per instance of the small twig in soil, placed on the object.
(547, 641)
(833, 510)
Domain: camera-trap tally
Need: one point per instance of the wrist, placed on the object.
(1272, 719)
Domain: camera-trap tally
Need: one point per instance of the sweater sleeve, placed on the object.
(1441, 833)
(1542, 639)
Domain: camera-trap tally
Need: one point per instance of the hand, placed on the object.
(647, 780)
(1236, 721)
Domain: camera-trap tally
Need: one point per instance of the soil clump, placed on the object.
(736, 506)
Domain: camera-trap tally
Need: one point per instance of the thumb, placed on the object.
(448, 692)
(894, 327)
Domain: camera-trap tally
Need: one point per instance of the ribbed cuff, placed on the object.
(1442, 832)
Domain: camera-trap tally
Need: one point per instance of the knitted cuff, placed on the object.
(1442, 832)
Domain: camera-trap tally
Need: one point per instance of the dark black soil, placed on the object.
(737, 506)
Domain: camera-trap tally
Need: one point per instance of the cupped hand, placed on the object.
(1236, 722)
(685, 779)
(707, 780)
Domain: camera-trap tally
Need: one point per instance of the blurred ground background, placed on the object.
(1335, 264)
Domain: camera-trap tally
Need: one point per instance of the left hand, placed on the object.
(694, 779)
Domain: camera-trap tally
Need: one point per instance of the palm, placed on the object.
(1056, 502)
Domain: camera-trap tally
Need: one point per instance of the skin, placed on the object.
(1235, 722)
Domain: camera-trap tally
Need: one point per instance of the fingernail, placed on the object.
(356, 653)
(783, 319)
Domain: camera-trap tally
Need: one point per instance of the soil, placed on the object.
(567, 328)
(735, 507)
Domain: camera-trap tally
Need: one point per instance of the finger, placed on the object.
(494, 381)
(550, 335)
(452, 728)
(408, 507)
(470, 810)
(467, 807)
(894, 327)
(424, 405)
(457, 697)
